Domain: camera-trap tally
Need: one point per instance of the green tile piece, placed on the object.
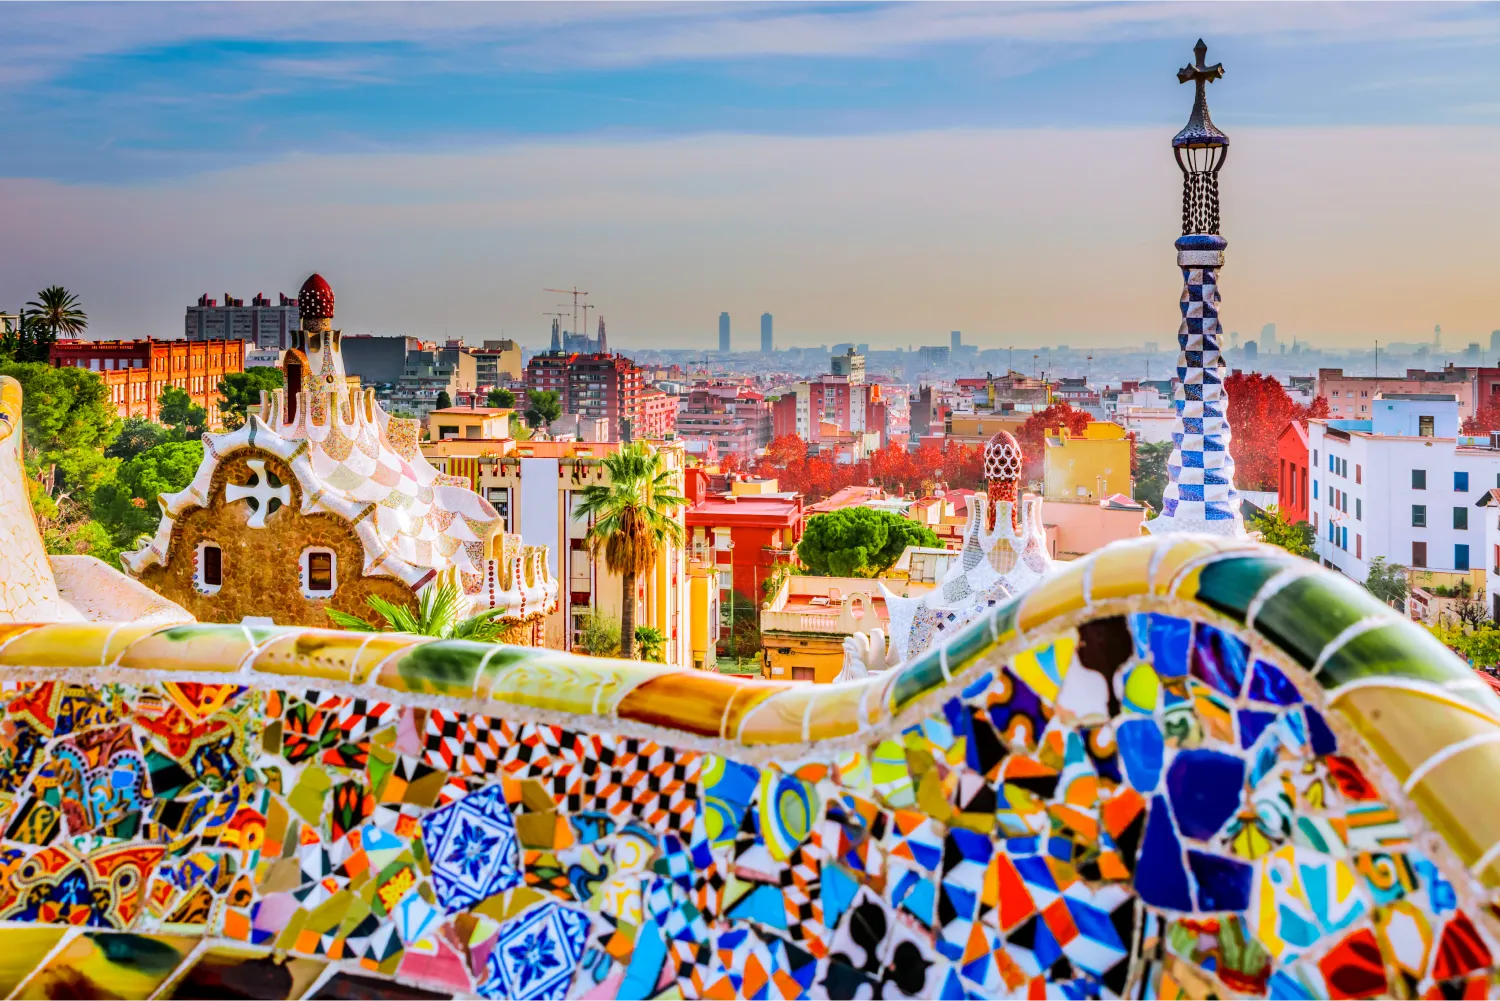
(1229, 585)
(1303, 617)
(1402, 650)
(917, 679)
(446, 667)
(968, 644)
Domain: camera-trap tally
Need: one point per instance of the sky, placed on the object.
(864, 171)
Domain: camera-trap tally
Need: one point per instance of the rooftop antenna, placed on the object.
(1377, 359)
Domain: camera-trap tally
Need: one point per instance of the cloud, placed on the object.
(1340, 235)
(44, 40)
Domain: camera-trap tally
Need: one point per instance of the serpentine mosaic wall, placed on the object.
(1111, 787)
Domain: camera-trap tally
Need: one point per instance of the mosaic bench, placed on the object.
(1179, 768)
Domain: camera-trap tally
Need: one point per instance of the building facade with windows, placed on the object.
(136, 372)
(1293, 476)
(262, 324)
(1402, 486)
(323, 501)
(1350, 397)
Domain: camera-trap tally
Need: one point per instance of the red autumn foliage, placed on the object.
(1259, 409)
(1485, 421)
(1031, 433)
(730, 462)
(892, 468)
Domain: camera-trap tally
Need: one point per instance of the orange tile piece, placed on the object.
(694, 701)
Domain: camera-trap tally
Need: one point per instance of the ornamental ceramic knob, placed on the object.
(1002, 473)
(1002, 458)
(315, 301)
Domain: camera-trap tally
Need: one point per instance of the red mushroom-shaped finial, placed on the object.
(1002, 473)
(315, 301)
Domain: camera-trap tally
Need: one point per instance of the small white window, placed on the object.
(208, 571)
(319, 573)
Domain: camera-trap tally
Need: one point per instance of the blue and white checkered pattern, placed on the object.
(1200, 494)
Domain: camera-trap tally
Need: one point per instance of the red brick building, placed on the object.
(597, 385)
(744, 535)
(1292, 482)
(136, 372)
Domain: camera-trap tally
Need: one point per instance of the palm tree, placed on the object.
(634, 517)
(58, 311)
(436, 614)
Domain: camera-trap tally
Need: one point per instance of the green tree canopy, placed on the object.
(177, 410)
(1296, 538)
(136, 435)
(501, 397)
(26, 340)
(1387, 581)
(69, 422)
(241, 390)
(858, 541)
(57, 311)
(1151, 471)
(127, 505)
(444, 401)
(542, 407)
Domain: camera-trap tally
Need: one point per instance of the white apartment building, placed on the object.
(1402, 485)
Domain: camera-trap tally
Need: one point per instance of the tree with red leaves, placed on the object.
(1031, 434)
(1485, 421)
(1258, 410)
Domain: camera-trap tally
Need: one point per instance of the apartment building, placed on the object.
(1402, 485)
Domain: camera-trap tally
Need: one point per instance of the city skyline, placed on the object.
(1023, 193)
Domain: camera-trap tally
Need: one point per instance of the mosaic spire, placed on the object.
(1002, 472)
(1200, 494)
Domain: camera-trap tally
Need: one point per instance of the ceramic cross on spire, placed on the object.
(1200, 494)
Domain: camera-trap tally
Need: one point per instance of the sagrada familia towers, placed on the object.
(1004, 550)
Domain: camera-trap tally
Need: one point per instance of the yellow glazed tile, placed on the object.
(1185, 551)
(570, 689)
(197, 646)
(1465, 817)
(312, 653)
(1121, 569)
(24, 949)
(778, 719)
(745, 701)
(123, 636)
(377, 651)
(695, 701)
(1407, 727)
(1053, 597)
(9, 632)
(837, 712)
(60, 644)
(92, 966)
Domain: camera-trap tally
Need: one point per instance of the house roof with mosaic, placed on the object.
(1187, 765)
(323, 499)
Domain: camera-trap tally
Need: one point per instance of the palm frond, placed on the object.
(346, 621)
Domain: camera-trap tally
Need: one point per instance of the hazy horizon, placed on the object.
(880, 173)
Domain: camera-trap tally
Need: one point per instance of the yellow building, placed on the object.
(977, 429)
(1090, 466)
(803, 625)
(469, 423)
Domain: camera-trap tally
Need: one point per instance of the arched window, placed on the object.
(319, 573)
(208, 573)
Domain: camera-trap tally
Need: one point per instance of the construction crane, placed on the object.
(575, 294)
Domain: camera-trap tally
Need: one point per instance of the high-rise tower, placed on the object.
(1200, 494)
(767, 342)
(723, 333)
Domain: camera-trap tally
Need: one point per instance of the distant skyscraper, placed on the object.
(958, 340)
(1437, 335)
(1268, 339)
(603, 343)
(767, 343)
(1495, 342)
(724, 333)
(556, 336)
